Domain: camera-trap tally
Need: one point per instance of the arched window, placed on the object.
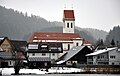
(77, 44)
(68, 46)
(71, 25)
(67, 25)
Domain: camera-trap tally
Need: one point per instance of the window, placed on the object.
(53, 54)
(33, 46)
(112, 63)
(59, 49)
(102, 56)
(98, 57)
(67, 25)
(10, 62)
(112, 57)
(71, 25)
(44, 47)
(43, 54)
(77, 44)
(33, 54)
(68, 46)
(34, 64)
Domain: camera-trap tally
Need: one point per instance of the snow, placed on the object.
(9, 71)
(60, 62)
(34, 71)
(100, 51)
(63, 70)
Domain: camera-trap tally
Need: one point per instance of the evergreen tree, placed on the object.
(113, 42)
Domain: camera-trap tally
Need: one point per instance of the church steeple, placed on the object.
(69, 21)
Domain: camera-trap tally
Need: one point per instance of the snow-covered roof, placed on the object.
(73, 51)
(101, 51)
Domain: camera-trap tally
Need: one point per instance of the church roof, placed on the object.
(69, 15)
(53, 36)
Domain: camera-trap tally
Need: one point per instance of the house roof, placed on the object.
(2, 39)
(53, 36)
(97, 52)
(1, 48)
(19, 45)
(69, 15)
(39, 59)
(72, 52)
(86, 42)
(6, 55)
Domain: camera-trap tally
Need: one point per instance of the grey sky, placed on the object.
(100, 14)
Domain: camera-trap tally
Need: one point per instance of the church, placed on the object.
(67, 39)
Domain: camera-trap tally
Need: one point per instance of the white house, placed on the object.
(42, 55)
(6, 59)
(108, 56)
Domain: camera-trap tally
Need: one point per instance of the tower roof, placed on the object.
(68, 15)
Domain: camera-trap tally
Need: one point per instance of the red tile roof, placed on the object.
(86, 42)
(69, 15)
(53, 36)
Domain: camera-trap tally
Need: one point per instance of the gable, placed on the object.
(6, 45)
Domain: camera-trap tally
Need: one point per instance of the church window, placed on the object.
(67, 25)
(68, 46)
(77, 44)
(71, 25)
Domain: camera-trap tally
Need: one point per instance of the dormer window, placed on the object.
(44, 47)
(33, 46)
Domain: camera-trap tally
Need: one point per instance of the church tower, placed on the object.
(68, 21)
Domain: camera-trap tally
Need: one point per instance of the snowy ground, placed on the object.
(9, 71)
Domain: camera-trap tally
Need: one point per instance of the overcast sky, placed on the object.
(100, 14)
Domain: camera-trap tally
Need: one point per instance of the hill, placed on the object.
(16, 25)
(114, 34)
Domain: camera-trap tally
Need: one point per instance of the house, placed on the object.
(75, 55)
(108, 56)
(6, 59)
(9, 50)
(42, 55)
(5, 44)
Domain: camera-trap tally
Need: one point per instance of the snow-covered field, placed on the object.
(9, 71)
